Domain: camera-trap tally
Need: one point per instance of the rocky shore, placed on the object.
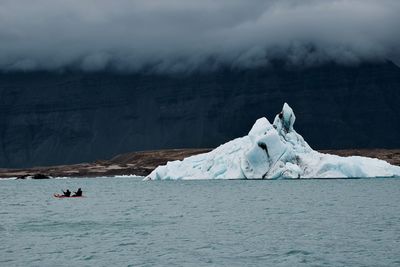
(142, 163)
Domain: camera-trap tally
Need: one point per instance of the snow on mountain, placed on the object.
(272, 151)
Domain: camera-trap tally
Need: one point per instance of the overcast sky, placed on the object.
(182, 35)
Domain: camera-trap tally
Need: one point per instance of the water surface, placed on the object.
(127, 222)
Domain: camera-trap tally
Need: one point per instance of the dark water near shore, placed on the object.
(127, 222)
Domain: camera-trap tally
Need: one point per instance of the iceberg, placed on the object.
(272, 151)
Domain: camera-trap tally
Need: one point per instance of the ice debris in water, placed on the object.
(272, 152)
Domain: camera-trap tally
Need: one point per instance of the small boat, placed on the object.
(62, 196)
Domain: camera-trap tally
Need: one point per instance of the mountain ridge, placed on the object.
(50, 118)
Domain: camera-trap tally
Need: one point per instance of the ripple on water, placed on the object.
(127, 244)
(297, 252)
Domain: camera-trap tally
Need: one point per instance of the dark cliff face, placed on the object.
(62, 118)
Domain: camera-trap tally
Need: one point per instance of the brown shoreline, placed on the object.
(142, 163)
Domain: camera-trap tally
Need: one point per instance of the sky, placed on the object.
(189, 35)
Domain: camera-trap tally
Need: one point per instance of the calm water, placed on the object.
(127, 222)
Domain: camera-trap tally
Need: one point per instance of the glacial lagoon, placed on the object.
(130, 222)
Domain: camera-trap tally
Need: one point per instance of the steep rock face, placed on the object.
(62, 118)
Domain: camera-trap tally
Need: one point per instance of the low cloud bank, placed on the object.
(186, 35)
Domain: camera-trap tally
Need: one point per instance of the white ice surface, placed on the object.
(272, 151)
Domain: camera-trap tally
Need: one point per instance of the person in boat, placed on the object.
(67, 193)
(78, 193)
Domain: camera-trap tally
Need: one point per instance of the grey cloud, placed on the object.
(184, 35)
